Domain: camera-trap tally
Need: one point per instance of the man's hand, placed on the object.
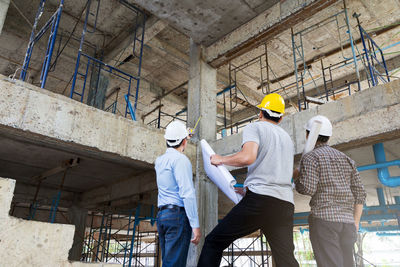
(196, 236)
(241, 191)
(357, 224)
(296, 174)
(216, 159)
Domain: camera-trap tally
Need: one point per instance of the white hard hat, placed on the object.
(176, 131)
(326, 127)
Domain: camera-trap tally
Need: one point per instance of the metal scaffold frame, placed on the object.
(256, 255)
(35, 37)
(302, 71)
(370, 50)
(120, 244)
(98, 65)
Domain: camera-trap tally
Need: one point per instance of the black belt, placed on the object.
(169, 206)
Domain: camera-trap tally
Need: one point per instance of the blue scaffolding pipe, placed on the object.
(29, 50)
(388, 233)
(135, 224)
(54, 22)
(129, 105)
(121, 74)
(383, 172)
(387, 213)
(379, 228)
(99, 241)
(371, 55)
(54, 205)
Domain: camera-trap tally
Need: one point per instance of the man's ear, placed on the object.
(260, 115)
(280, 119)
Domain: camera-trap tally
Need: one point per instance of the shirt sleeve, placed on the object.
(308, 179)
(357, 187)
(184, 178)
(250, 134)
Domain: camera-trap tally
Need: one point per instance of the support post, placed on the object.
(77, 216)
(4, 4)
(202, 101)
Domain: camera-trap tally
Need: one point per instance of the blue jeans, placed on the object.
(174, 233)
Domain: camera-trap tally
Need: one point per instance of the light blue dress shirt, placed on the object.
(175, 185)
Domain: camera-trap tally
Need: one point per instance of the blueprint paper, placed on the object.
(219, 174)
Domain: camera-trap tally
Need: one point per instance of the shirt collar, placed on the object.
(171, 150)
(321, 145)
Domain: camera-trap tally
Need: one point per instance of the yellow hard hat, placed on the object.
(273, 102)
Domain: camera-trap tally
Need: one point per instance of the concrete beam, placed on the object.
(280, 17)
(4, 4)
(364, 118)
(139, 184)
(54, 120)
(122, 46)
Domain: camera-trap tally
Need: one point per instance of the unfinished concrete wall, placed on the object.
(56, 120)
(30, 243)
(367, 117)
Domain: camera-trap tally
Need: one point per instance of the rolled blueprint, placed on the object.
(220, 175)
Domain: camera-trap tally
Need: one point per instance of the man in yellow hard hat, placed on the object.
(267, 151)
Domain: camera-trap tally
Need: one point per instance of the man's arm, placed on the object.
(243, 158)
(184, 178)
(306, 179)
(359, 195)
(358, 209)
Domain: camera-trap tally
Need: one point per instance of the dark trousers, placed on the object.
(332, 242)
(174, 233)
(273, 216)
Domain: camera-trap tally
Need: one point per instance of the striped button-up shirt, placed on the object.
(333, 182)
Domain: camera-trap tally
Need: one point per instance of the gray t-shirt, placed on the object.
(271, 173)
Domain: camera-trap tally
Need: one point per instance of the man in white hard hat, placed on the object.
(337, 197)
(267, 151)
(177, 209)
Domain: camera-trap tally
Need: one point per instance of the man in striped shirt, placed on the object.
(337, 197)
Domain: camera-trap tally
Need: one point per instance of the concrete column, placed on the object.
(77, 216)
(4, 4)
(202, 101)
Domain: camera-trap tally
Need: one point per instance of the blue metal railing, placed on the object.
(91, 61)
(370, 53)
(52, 24)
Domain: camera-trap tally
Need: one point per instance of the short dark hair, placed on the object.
(268, 117)
(321, 138)
(176, 146)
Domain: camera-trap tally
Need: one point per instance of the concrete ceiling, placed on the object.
(166, 56)
(22, 160)
(209, 20)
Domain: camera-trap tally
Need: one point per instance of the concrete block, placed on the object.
(33, 243)
(12, 103)
(7, 187)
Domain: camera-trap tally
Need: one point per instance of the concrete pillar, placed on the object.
(4, 4)
(202, 101)
(77, 216)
